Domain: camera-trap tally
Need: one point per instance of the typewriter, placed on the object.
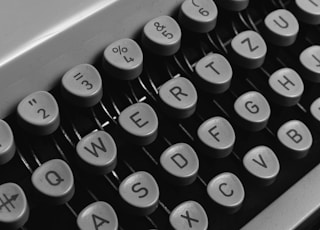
(159, 114)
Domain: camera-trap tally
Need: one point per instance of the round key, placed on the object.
(233, 5)
(14, 209)
(141, 192)
(189, 215)
(216, 137)
(315, 112)
(214, 73)
(262, 163)
(198, 16)
(7, 144)
(296, 138)
(253, 110)
(227, 191)
(123, 59)
(53, 182)
(39, 113)
(282, 27)
(286, 87)
(179, 97)
(162, 36)
(97, 216)
(97, 152)
(310, 61)
(181, 163)
(308, 11)
(82, 85)
(140, 123)
(248, 49)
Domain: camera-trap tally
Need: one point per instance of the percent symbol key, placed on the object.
(123, 59)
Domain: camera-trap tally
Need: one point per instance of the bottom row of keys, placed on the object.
(139, 191)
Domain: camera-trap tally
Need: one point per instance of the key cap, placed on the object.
(7, 144)
(53, 182)
(82, 86)
(98, 216)
(214, 73)
(141, 192)
(227, 191)
(216, 137)
(253, 111)
(292, 208)
(296, 138)
(140, 123)
(181, 163)
(198, 16)
(281, 27)
(262, 163)
(14, 208)
(179, 97)
(233, 5)
(310, 61)
(189, 215)
(162, 36)
(123, 59)
(248, 49)
(315, 112)
(286, 87)
(308, 11)
(97, 152)
(39, 113)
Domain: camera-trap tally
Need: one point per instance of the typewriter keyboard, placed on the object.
(209, 119)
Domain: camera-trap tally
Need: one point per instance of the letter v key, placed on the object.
(262, 164)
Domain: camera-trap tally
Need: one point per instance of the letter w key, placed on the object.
(98, 151)
(95, 147)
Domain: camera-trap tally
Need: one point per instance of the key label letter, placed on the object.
(214, 135)
(294, 135)
(138, 121)
(224, 192)
(142, 189)
(181, 162)
(251, 107)
(176, 91)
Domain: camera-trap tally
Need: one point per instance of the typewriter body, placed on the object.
(159, 114)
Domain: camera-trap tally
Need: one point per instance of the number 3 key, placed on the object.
(38, 113)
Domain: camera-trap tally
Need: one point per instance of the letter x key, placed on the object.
(189, 215)
(189, 219)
